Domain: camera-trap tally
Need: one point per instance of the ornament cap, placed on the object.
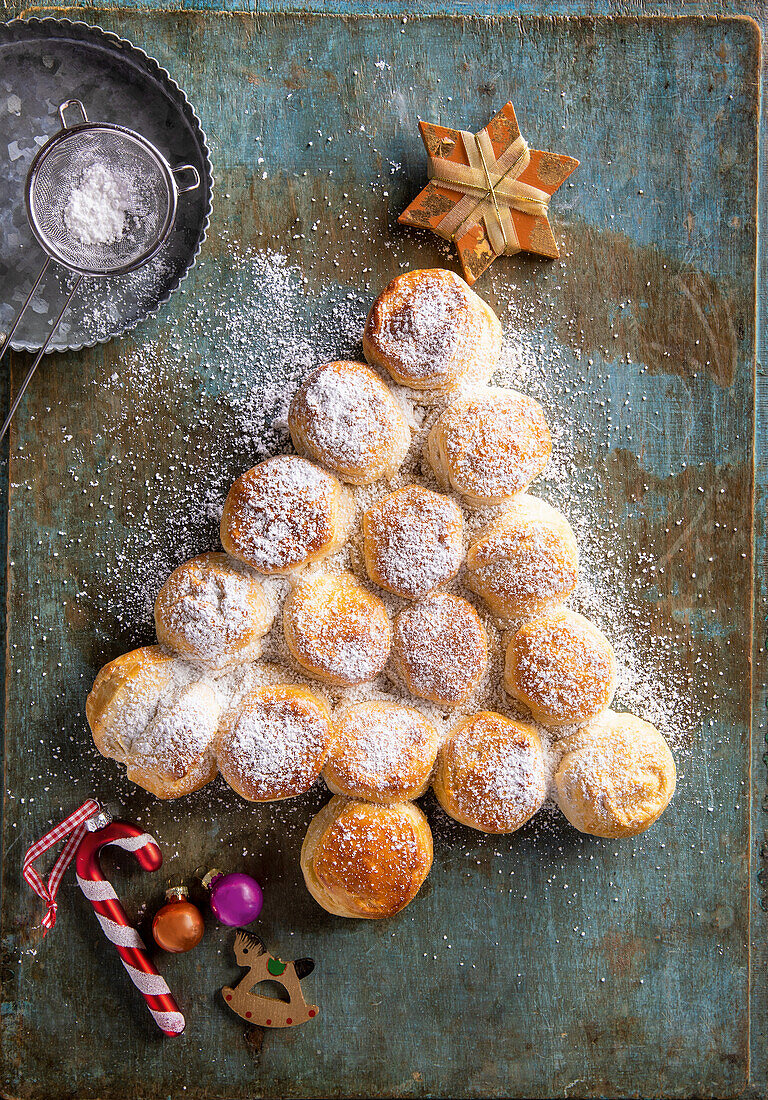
(176, 893)
(100, 820)
(211, 877)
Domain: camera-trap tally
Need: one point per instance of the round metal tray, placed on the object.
(42, 63)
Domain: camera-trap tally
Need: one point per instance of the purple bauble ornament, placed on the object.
(236, 899)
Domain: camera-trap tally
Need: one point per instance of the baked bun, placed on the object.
(439, 649)
(274, 742)
(526, 562)
(431, 332)
(365, 860)
(489, 446)
(562, 667)
(491, 773)
(616, 776)
(413, 541)
(345, 417)
(213, 610)
(336, 629)
(381, 752)
(285, 513)
(152, 712)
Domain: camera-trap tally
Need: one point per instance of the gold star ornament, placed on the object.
(488, 192)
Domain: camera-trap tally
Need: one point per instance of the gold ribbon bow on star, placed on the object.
(490, 187)
(488, 192)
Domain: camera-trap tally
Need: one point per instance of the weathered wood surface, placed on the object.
(654, 998)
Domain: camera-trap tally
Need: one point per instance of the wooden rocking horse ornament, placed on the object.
(263, 967)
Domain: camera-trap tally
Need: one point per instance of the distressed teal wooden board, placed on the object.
(527, 1014)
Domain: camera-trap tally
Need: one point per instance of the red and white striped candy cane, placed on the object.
(114, 921)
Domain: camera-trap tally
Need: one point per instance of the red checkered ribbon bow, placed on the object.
(73, 828)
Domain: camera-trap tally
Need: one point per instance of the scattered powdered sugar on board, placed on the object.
(652, 678)
(252, 340)
(265, 321)
(104, 304)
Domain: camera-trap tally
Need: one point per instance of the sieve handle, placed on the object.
(66, 105)
(9, 335)
(40, 354)
(193, 186)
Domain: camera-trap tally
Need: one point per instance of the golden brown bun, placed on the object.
(285, 513)
(439, 649)
(366, 860)
(431, 332)
(616, 776)
(152, 712)
(525, 562)
(213, 610)
(336, 629)
(413, 541)
(562, 667)
(491, 773)
(489, 446)
(346, 418)
(274, 742)
(381, 752)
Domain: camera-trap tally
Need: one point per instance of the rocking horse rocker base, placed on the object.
(262, 967)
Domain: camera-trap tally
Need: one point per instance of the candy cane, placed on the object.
(114, 921)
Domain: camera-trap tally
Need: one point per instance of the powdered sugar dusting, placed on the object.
(382, 749)
(282, 510)
(350, 420)
(519, 565)
(347, 423)
(374, 854)
(565, 668)
(618, 774)
(211, 611)
(180, 731)
(156, 529)
(275, 746)
(503, 777)
(491, 445)
(616, 581)
(338, 628)
(413, 541)
(421, 333)
(440, 648)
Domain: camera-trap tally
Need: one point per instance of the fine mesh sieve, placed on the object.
(147, 211)
(148, 216)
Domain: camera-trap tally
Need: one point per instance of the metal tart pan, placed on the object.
(42, 63)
